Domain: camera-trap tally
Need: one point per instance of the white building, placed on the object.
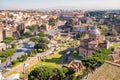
(2, 46)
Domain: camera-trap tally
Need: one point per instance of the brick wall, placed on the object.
(31, 61)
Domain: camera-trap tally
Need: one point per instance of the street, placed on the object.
(54, 31)
(26, 47)
(22, 50)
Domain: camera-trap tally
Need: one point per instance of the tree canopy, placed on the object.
(27, 34)
(48, 73)
(42, 40)
(22, 37)
(43, 25)
(35, 39)
(42, 34)
(52, 21)
(6, 54)
(98, 58)
(8, 40)
(41, 46)
(79, 35)
(32, 27)
(32, 52)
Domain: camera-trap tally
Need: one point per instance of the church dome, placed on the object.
(94, 31)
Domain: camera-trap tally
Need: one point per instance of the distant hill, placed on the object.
(108, 71)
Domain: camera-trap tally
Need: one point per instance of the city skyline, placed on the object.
(54, 4)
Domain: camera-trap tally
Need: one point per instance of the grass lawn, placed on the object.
(17, 64)
(53, 60)
(48, 64)
(10, 74)
(79, 73)
(75, 55)
(116, 45)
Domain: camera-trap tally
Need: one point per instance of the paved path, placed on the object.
(57, 29)
(29, 46)
(25, 48)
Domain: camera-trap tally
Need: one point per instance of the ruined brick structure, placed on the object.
(93, 42)
(76, 65)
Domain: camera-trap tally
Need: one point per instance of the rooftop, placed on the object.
(108, 71)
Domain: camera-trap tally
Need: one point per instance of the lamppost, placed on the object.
(25, 71)
(1, 77)
(0, 61)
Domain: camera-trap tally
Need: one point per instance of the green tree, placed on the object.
(14, 45)
(48, 73)
(22, 31)
(49, 36)
(8, 40)
(42, 34)
(79, 35)
(31, 28)
(52, 21)
(42, 40)
(98, 58)
(35, 39)
(33, 52)
(43, 25)
(8, 53)
(27, 34)
(41, 46)
(22, 37)
(23, 58)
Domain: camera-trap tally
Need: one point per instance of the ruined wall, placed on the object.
(31, 61)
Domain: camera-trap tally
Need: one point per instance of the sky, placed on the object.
(60, 4)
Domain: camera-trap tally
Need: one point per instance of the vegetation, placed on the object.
(22, 58)
(6, 54)
(22, 31)
(75, 55)
(107, 71)
(104, 29)
(98, 14)
(31, 28)
(41, 43)
(14, 46)
(27, 34)
(35, 39)
(79, 35)
(41, 47)
(68, 26)
(48, 67)
(116, 45)
(44, 41)
(98, 58)
(52, 21)
(33, 52)
(19, 60)
(8, 40)
(49, 73)
(22, 37)
(53, 60)
(43, 26)
(42, 34)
